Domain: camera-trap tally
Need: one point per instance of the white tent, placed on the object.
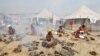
(46, 14)
(83, 12)
(85, 15)
(44, 20)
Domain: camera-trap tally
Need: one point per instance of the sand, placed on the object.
(81, 46)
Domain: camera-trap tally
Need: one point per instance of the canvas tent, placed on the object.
(83, 12)
(83, 16)
(44, 20)
(46, 15)
(4, 19)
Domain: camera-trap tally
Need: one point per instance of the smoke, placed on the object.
(24, 25)
(42, 27)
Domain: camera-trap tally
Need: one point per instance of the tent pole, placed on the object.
(37, 20)
(90, 27)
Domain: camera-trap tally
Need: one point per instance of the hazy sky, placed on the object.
(58, 7)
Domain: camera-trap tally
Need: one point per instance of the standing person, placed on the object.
(71, 22)
(32, 29)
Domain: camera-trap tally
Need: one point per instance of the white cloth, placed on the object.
(93, 20)
(8, 25)
(81, 31)
(82, 36)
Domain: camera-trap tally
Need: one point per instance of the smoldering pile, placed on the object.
(66, 51)
(32, 46)
(9, 38)
(34, 53)
(41, 28)
(18, 49)
(6, 38)
(63, 43)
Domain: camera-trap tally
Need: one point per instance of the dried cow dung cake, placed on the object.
(70, 44)
(18, 49)
(3, 54)
(93, 53)
(68, 51)
(41, 53)
(32, 48)
(98, 35)
(0, 39)
(57, 53)
(4, 35)
(92, 38)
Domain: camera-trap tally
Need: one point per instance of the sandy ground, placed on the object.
(82, 46)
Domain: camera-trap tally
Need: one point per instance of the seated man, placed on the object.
(49, 39)
(82, 27)
(60, 31)
(11, 31)
(80, 33)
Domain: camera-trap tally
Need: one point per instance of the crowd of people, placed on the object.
(79, 34)
(50, 39)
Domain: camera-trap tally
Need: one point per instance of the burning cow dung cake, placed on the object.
(57, 53)
(18, 49)
(68, 51)
(70, 44)
(7, 41)
(32, 48)
(35, 43)
(34, 53)
(19, 37)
